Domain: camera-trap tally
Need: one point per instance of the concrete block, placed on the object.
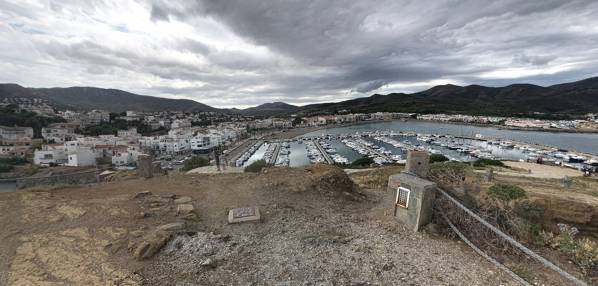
(418, 163)
(419, 201)
(244, 215)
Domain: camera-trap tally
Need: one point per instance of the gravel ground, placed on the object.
(318, 238)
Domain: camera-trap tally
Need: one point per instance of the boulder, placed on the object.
(175, 226)
(149, 245)
(186, 211)
(143, 194)
(208, 263)
(183, 200)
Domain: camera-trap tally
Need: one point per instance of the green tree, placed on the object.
(195, 162)
(438, 158)
(362, 162)
(256, 166)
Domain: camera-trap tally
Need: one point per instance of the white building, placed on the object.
(125, 157)
(50, 155)
(59, 133)
(180, 123)
(203, 143)
(81, 157)
(95, 117)
(131, 132)
(8, 134)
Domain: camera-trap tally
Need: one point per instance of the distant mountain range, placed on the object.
(575, 98)
(114, 100)
(270, 109)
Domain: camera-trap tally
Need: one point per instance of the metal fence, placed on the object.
(498, 247)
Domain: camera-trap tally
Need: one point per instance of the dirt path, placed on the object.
(540, 171)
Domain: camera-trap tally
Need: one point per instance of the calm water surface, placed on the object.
(582, 142)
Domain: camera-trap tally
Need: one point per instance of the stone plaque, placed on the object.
(244, 215)
(243, 212)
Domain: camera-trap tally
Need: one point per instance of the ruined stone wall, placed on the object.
(67, 179)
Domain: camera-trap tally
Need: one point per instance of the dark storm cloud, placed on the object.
(369, 86)
(158, 14)
(376, 43)
(245, 52)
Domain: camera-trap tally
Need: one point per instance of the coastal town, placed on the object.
(176, 136)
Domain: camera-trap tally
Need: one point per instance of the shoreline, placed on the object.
(572, 131)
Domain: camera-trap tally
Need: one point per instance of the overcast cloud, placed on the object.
(247, 52)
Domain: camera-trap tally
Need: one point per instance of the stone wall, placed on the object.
(87, 177)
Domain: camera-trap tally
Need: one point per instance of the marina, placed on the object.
(330, 146)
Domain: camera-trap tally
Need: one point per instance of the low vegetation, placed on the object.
(362, 162)
(11, 116)
(6, 168)
(449, 173)
(506, 192)
(8, 164)
(257, 166)
(583, 252)
(195, 162)
(488, 163)
(112, 127)
(435, 158)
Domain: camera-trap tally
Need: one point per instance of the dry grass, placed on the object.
(376, 179)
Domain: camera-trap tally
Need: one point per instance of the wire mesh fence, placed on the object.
(499, 246)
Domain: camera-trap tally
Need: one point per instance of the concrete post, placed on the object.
(144, 166)
(567, 182)
(489, 176)
(418, 163)
(412, 199)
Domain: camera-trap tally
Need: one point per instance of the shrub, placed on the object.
(13, 161)
(449, 173)
(362, 162)
(6, 168)
(256, 166)
(583, 252)
(488, 162)
(434, 158)
(530, 210)
(506, 192)
(195, 162)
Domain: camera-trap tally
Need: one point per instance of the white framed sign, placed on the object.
(402, 199)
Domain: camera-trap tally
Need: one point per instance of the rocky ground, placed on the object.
(317, 228)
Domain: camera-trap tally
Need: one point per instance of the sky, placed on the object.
(241, 53)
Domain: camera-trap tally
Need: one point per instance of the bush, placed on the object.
(583, 252)
(6, 168)
(362, 162)
(13, 161)
(506, 192)
(195, 162)
(449, 173)
(434, 158)
(488, 162)
(256, 166)
(531, 211)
